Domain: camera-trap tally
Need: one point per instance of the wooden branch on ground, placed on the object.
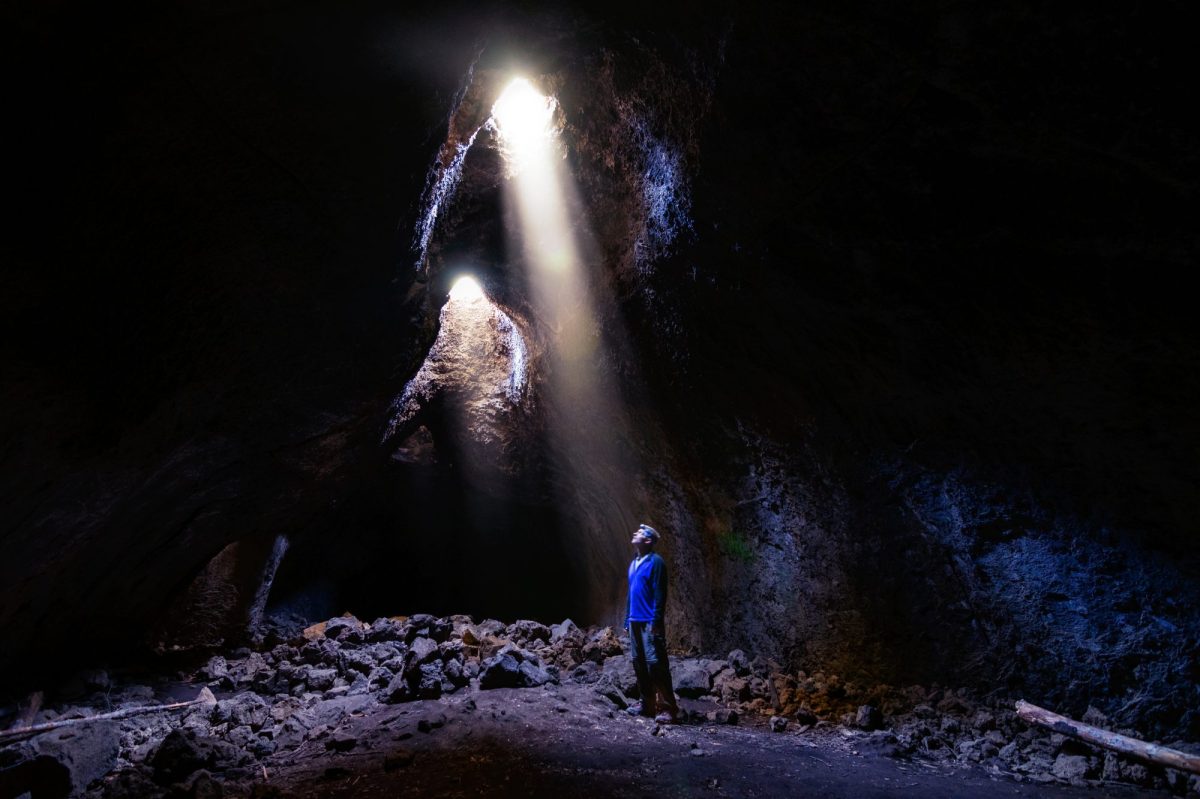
(205, 698)
(1122, 744)
(27, 710)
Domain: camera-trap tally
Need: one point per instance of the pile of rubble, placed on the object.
(273, 702)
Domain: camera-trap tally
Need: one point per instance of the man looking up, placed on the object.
(647, 631)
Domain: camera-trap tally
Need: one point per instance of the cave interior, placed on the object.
(883, 319)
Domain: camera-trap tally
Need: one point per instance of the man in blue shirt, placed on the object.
(647, 631)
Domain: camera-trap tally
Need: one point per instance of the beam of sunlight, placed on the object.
(588, 421)
(524, 123)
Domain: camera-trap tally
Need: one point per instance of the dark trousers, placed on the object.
(648, 652)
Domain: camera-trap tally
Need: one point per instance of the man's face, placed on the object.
(640, 539)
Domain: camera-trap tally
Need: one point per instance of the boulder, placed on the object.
(418, 624)
(1070, 768)
(243, 710)
(319, 651)
(603, 644)
(453, 670)
(398, 690)
(623, 675)
(183, 752)
(441, 629)
(715, 667)
(527, 631)
(421, 650)
(86, 752)
(691, 678)
(243, 672)
(320, 679)
(868, 717)
(489, 627)
(535, 675)
(723, 715)
(358, 660)
(379, 677)
(736, 689)
(520, 654)
(501, 671)
(739, 662)
(384, 629)
(563, 629)
(460, 622)
(338, 627)
(607, 687)
(361, 684)
(383, 652)
(429, 680)
(423, 625)
(882, 742)
(805, 717)
(585, 672)
(451, 650)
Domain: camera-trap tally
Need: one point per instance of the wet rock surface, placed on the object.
(349, 703)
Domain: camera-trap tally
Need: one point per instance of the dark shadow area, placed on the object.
(429, 543)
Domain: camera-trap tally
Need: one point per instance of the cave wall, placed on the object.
(893, 302)
(951, 441)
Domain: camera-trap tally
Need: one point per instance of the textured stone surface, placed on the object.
(908, 373)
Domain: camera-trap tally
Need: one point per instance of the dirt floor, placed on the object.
(422, 706)
(557, 741)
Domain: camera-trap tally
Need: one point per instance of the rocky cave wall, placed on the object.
(891, 303)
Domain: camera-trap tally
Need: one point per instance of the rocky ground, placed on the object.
(448, 706)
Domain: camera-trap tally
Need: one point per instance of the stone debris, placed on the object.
(302, 692)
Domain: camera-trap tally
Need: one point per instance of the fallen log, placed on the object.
(205, 698)
(1122, 744)
(27, 710)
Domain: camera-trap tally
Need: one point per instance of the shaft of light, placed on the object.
(588, 418)
(524, 119)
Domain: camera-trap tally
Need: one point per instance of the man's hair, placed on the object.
(649, 532)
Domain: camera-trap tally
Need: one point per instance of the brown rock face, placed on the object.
(479, 369)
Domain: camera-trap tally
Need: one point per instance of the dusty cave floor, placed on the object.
(558, 740)
(425, 706)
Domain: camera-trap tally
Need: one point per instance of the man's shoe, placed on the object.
(639, 709)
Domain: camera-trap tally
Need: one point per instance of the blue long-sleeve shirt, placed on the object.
(647, 590)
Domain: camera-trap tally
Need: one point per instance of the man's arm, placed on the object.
(658, 579)
(628, 605)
